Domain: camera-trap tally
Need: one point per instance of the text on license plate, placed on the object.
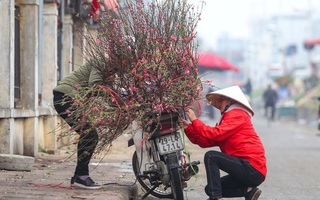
(169, 143)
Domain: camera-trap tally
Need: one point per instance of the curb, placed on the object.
(16, 162)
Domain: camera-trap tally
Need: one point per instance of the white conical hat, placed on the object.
(233, 92)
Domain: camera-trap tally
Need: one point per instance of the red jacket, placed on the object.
(235, 135)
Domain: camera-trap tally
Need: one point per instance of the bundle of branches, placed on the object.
(146, 58)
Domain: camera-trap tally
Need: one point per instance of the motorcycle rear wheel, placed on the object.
(160, 192)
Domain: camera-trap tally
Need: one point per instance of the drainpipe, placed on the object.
(61, 49)
(40, 42)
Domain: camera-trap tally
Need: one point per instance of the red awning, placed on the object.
(312, 41)
(210, 60)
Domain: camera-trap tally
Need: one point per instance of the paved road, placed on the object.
(293, 153)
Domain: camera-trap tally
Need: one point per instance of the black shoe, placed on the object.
(85, 184)
(254, 194)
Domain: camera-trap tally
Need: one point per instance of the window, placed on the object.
(17, 80)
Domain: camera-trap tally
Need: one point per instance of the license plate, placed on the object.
(169, 143)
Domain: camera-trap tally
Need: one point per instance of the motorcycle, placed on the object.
(159, 161)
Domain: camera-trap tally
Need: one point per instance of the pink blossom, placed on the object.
(100, 122)
(98, 40)
(94, 108)
(143, 61)
(159, 107)
(145, 75)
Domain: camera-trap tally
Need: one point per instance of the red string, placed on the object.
(199, 106)
(52, 185)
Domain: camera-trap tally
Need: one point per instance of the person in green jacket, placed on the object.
(63, 93)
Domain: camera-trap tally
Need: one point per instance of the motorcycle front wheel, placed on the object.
(160, 192)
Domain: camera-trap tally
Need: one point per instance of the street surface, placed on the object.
(292, 150)
(293, 154)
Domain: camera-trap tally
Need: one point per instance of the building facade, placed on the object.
(38, 47)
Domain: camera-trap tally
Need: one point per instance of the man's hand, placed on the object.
(183, 123)
(190, 114)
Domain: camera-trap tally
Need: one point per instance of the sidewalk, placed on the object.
(50, 179)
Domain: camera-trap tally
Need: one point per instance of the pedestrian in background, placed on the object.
(242, 154)
(270, 97)
(248, 87)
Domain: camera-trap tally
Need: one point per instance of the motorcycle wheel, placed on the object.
(176, 185)
(160, 191)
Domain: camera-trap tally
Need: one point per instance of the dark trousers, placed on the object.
(273, 110)
(88, 137)
(240, 175)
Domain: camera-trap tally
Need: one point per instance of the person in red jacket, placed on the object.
(242, 154)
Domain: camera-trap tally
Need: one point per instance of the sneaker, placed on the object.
(88, 183)
(254, 194)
